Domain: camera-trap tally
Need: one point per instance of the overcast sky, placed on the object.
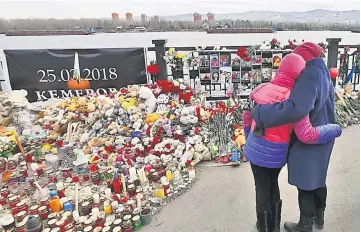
(104, 8)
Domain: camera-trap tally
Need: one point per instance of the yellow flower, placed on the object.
(171, 51)
(46, 147)
(180, 56)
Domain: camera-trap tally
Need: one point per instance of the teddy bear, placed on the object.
(5, 105)
(133, 90)
(128, 102)
(19, 96)
(187, 116)
(113, 128)
(137, 124)
(187, 156)
(239, 137)
(55, 131)
(150, 103)
(201, 153)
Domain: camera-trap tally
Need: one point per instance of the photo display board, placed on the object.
(218, 71)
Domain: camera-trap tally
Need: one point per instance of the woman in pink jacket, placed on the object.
(267, 150)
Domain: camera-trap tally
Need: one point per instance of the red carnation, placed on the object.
(186, 97)
(242, 53)
(153, 69)
(168, 146)
(109, 149)
(123, 91)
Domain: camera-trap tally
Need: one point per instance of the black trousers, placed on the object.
(267, 189)
(309, 200)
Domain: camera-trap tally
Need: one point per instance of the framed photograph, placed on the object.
(225, 59)
(236, 76)
(256, 60)
(266, 74)
(236, 62)
(225, 74)
(256, 76)
(245, 75)
(266, 58)
(215, 77)
(204, 64)
(276, 60)
(214, 59)
(205, 76)
(274, 73)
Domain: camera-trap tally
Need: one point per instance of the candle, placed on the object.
(95, 212)
(169, 175)
(114, 206)
(107, 207)
(139, 200)
(77, 196)
(192, 173)
(122, 177)
(133, 173)
(108, 192)
(96, 198)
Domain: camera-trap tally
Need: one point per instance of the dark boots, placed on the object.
(264, 221)
(276, 217)
(304, 225)
(319, 218)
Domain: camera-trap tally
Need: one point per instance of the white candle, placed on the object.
(96, 198)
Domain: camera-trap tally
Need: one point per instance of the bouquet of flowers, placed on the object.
(153, 69)
(176, 61)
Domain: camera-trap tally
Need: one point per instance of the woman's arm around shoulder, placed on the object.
(309, 134)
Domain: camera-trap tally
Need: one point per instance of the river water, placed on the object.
(118, 40)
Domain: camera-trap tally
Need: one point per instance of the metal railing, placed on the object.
(333, 51)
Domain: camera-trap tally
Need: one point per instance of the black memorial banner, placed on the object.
(44, 73)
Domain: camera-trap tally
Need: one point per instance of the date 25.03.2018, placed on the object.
(95, 74)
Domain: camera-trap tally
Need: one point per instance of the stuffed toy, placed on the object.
(239, 137)
(150, 118)
(5, 109)
(187, 116)
(213, 149)
(265, 45)
(150, 100)
(179, 150)
(187, 156)
(126, 103)
(162, 102)
(235, 156)
(133, 90)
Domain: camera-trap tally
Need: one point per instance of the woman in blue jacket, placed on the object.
(313, 94)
